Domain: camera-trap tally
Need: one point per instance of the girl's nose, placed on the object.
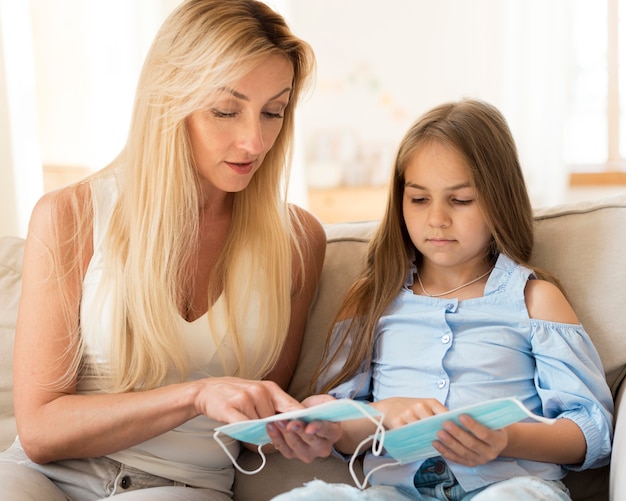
(438, 216)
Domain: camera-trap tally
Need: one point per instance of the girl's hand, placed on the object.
(470, 445)
(403, 410)
(297, 439)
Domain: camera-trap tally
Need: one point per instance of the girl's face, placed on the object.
(230, 138)
(441, 211)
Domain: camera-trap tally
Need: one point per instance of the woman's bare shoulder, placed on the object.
(309, 229)
(57, 214)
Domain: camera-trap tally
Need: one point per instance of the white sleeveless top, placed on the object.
(187, 454)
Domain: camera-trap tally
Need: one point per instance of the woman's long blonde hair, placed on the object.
(203, 46)
(479, 132)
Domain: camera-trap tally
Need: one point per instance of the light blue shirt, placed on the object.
(465, 352)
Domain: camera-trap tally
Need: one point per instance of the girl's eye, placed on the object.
(418, 200)
(462, 202)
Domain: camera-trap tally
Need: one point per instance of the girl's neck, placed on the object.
(438, 284)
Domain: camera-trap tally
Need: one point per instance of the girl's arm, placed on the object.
(562, 442)
(53, 421)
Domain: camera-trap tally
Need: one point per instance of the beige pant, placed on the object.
(88, 480)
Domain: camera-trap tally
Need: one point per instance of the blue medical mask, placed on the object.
(254, 431)
(413, 441)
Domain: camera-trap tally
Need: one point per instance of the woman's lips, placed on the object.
(241, 167)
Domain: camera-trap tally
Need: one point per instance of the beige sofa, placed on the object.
(583, 244)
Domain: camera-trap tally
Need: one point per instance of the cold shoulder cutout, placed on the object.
(545, 301)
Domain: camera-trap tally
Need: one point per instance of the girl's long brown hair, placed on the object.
(479, 132)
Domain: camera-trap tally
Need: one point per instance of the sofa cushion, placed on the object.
(345, 256)
(11, 249)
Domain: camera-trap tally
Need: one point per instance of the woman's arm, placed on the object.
(296, 439)
(313, 244)
(53, 421)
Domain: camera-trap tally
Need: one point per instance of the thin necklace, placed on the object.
(451, 290)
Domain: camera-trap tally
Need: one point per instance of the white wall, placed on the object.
(380, 65)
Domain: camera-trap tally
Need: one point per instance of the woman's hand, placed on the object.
(231, 399)
(297, 439)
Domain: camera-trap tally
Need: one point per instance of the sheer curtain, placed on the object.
(536, 88)
(21, 177)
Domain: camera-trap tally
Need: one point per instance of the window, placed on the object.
(598, 93)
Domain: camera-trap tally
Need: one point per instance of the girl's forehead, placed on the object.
(435, 160)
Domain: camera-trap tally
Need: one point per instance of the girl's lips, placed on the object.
(439, 241)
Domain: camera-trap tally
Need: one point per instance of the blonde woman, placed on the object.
(168, 292)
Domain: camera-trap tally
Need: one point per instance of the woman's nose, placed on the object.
(251, 137)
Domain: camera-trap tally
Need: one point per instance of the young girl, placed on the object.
(449, 313)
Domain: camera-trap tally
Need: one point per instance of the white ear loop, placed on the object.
(378, 440)
(234, 461)
(377, 447)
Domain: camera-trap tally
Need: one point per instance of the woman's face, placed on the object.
(230, 138)
(441, 210)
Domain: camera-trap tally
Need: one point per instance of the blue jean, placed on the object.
(88, 480)
(434, 482)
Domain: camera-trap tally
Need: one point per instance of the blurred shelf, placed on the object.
(336, 205)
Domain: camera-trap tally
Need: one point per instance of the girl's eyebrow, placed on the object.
(409, 184)
(239, 95)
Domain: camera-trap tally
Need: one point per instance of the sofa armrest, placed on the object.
(617, 485)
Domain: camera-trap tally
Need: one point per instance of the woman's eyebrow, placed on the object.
(239, 95)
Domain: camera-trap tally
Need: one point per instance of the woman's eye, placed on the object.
(418, 200)
(222, 114)
(273, 115)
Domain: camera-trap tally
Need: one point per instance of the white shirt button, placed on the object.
(445, 339)
(441, 384)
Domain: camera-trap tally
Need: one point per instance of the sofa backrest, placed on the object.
(583, 244)
(11, 250)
